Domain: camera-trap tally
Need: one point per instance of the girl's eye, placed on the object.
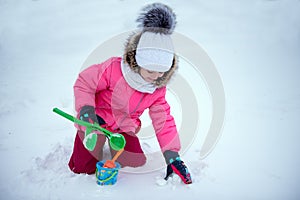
(151, 72)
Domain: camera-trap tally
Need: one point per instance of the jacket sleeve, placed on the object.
(89, 82)
(164, 124)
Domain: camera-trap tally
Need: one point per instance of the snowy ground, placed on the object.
(255, 46)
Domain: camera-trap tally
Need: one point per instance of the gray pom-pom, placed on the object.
(157, 18)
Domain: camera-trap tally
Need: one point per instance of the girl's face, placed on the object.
(150, 76)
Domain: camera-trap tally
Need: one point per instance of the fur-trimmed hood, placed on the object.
(129, 58)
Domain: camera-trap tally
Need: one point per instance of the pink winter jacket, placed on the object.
(104, 87)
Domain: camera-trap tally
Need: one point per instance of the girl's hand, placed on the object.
(87, 114)
(177, 166)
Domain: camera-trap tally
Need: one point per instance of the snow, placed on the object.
(255, 47)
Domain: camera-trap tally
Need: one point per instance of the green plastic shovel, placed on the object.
(116, 141)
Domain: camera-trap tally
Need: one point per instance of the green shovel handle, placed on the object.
(94, 126)
(114, 138)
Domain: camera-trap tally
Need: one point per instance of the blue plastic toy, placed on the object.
(106, 176)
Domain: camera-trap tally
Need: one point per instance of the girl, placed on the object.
(116, 92)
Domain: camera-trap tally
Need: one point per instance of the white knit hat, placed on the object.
(155, 52)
